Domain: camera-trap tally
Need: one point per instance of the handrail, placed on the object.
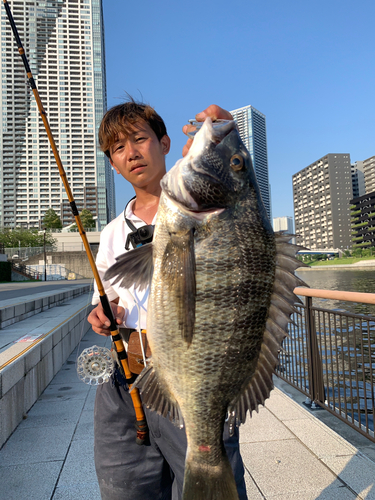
(328, 357)
(366, 298)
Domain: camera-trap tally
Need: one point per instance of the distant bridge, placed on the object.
(327, 251)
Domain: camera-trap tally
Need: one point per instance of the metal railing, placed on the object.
(330, 357)
(25, 253)
(53, 272)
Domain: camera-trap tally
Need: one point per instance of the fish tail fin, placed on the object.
(207, 482)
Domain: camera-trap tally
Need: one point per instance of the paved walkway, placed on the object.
(288, 451)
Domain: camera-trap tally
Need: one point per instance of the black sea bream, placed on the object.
(221, 295)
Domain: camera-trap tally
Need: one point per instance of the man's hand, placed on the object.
(99, 321)
(214, 112)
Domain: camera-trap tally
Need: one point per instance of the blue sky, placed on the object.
(308, 66)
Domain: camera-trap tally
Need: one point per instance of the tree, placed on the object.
(51, 220)
(357, 252)
(12, 238)
(87, 219)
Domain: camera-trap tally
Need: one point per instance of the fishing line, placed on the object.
(88, 303)
(140, 330)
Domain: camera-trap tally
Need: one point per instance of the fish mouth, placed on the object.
(192, 209)
(178, 183)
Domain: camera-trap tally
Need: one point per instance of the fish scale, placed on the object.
(220, 299)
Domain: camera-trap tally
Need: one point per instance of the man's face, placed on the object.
(140, 156)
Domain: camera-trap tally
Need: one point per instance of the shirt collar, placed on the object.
(129, 214)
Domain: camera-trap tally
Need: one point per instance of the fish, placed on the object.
(220, 300)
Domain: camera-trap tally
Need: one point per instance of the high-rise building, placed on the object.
(369, 172)
(322, 193)
(64, 43)
(363, 220)
(252, 127)
(358, 179)
(283, 224)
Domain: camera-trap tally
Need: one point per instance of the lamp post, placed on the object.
(45, 257)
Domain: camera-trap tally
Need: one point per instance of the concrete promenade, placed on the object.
(289, 452)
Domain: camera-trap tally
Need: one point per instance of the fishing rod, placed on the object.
(96, 364)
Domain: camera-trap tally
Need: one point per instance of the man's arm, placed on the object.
(214, 112)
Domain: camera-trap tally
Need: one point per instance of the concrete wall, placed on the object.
(25, 378)
(18, 277)
(71, 240)
(76, 262)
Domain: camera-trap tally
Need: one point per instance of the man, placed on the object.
(134, 138)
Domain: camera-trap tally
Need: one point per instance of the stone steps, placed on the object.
(12, 311)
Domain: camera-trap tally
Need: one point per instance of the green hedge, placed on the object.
(5, 271)
(365, 244)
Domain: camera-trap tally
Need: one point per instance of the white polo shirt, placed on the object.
(112, 245)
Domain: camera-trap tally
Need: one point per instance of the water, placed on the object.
(345, 280)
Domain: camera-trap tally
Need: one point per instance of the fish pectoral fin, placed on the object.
(133, 268)
(178, 268)
(156, 395)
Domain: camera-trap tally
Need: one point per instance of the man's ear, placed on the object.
(165, 144)
(113, 165)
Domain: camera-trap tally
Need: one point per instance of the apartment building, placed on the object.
(369, 174)
(321, 193)
(64, 43)
(358, 179)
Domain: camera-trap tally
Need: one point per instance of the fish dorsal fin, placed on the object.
(257, 389)
(156, 396)
(178, 269)
(133, 268)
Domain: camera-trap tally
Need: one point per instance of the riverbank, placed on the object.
(340, 264)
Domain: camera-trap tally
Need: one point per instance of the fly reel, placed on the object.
(95, 365)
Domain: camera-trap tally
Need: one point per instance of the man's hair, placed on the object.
(123, 118)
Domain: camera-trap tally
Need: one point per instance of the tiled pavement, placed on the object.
(288, 451)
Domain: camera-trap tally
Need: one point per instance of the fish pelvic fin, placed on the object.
(178, 268)
(208, 482)
(156, 396)
(133, 268)
(257, 389)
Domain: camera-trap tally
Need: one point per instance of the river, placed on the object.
(347, 280)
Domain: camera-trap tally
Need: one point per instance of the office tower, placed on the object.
(358, 179)
(64, 43)
(321, 194)
(369, 172)
(252, 127)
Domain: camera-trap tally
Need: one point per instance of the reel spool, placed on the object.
(95, 365)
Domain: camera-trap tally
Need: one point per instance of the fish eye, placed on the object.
(236, 163)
